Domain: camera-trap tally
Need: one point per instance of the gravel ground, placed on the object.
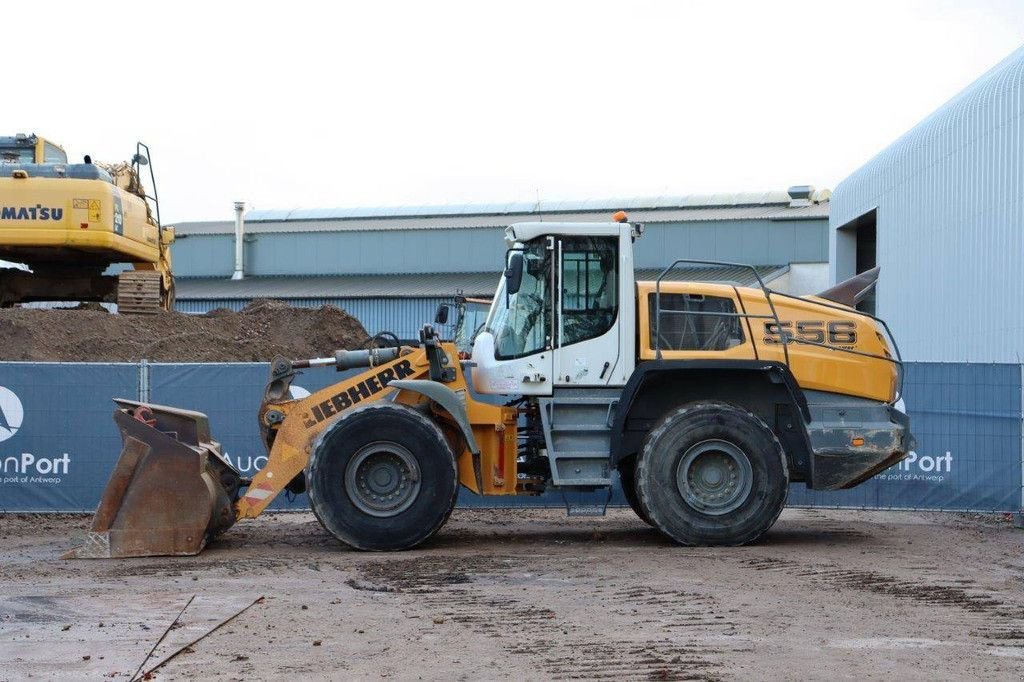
(502, 594)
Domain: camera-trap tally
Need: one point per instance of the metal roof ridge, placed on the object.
(649, 202)
(249, 279)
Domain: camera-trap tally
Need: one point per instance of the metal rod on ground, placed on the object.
(202, 636)
(162, 636)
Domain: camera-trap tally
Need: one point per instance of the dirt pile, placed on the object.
(260, 331)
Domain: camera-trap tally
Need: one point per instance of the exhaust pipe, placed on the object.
(239, 240)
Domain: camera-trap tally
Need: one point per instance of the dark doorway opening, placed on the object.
(858, 251)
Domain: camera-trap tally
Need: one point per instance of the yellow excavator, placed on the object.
(67, 223)
(707, 399)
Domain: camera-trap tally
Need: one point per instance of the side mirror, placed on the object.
(514, 273)
(140, 160)
(442, 314)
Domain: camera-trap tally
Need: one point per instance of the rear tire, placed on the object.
(627, 477)
(382, 477)
(712, 474)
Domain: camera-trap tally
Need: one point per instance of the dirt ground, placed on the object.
(503, 594)
(260, 331)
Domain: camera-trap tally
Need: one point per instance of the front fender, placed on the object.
(446, 398)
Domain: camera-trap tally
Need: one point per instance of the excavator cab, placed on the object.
(21, 149)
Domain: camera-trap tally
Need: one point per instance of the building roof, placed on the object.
(434, 285)
(526, 208)
(978, 115)
(685, 208)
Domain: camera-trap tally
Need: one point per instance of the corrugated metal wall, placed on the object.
(758, 242)
(950, 221)
(402, 316)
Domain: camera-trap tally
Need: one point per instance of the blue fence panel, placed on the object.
(967, 421)
(58, 443)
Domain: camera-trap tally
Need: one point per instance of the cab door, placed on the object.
(588, 309)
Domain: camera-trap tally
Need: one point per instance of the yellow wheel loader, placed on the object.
(470, 316)
(708, 399)
(68, 222)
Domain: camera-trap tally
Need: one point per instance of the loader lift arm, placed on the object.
(173, 490)
(291, 428)
(416, 377)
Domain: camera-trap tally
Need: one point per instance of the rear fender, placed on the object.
(768, 389)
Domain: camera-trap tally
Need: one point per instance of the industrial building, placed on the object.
(942, 211)
(392, 266)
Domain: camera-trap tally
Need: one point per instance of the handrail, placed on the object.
(784, 338)
(757, 276)
(139, 146)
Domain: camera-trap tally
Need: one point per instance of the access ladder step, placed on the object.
(586, 509)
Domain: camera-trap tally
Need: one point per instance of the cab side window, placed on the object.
(52, 154)
(589, 286)
(695, 322)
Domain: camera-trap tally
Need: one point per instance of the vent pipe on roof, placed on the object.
(800, 195)
(239, 240)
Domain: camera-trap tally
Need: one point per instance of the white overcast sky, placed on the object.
(289, 104)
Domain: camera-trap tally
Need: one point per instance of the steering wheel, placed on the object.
(383, 339)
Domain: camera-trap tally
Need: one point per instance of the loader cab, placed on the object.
(564, 312)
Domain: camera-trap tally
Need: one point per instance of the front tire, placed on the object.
(712, 474)
(382, 478)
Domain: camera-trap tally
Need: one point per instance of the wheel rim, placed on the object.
(382, 479)
(714, 477)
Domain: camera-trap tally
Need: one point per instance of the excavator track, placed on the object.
(138, 292)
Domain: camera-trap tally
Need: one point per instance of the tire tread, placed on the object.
(320, 505)
(644, 479)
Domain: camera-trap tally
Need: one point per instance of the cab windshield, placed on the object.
(473, 315)
(557, 306)
(521, 322)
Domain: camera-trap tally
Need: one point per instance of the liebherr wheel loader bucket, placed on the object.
(170, 491)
